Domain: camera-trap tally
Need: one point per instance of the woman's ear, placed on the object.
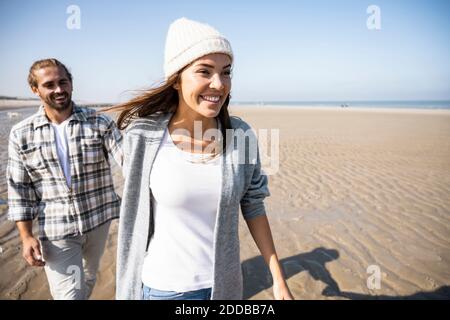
(176, 84)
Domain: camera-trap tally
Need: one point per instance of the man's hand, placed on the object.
(32, 252)
(31, 246)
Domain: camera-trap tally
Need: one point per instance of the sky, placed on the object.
(312, 50)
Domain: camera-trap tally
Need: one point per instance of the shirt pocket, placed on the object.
(34, 159)
(92, 151)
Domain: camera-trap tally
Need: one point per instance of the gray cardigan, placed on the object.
(242, 184)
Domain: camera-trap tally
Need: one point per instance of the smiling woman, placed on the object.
(204, 85)
(178, 217)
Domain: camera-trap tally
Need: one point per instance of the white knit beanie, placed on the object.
(188, 40)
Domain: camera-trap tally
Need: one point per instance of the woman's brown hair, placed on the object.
(162, 98)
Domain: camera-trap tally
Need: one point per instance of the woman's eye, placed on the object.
(203, 71)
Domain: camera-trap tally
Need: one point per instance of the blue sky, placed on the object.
(284, 50)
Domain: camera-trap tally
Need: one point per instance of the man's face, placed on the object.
(54, 88)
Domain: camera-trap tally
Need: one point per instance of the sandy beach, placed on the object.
(18, 103)
(356, 190)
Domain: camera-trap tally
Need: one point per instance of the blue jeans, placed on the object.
(155, 294)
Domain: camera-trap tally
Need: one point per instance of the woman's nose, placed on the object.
(216, 82)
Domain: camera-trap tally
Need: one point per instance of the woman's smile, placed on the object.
(210, 98)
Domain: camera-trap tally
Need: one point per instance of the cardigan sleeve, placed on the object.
(252, 203)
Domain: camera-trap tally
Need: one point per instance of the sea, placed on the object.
(395, 104)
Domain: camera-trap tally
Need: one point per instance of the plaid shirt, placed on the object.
(36, 182)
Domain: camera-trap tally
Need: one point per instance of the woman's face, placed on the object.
(205, 84)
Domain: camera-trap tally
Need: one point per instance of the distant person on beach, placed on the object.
(59, 171)
(178, 232)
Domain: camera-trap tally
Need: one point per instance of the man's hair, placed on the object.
(44, 63)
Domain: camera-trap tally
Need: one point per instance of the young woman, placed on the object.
(178, 230)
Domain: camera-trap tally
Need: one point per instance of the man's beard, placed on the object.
(52, 103)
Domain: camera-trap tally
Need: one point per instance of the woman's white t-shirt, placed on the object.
(185, 203)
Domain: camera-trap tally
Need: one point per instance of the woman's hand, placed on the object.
(281, 291)
(260, 230)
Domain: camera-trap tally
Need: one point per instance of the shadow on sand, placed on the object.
(257, 277)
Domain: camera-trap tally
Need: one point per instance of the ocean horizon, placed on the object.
(386, 104)
(392, 104)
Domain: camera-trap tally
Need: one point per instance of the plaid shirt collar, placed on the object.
(41, 118)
